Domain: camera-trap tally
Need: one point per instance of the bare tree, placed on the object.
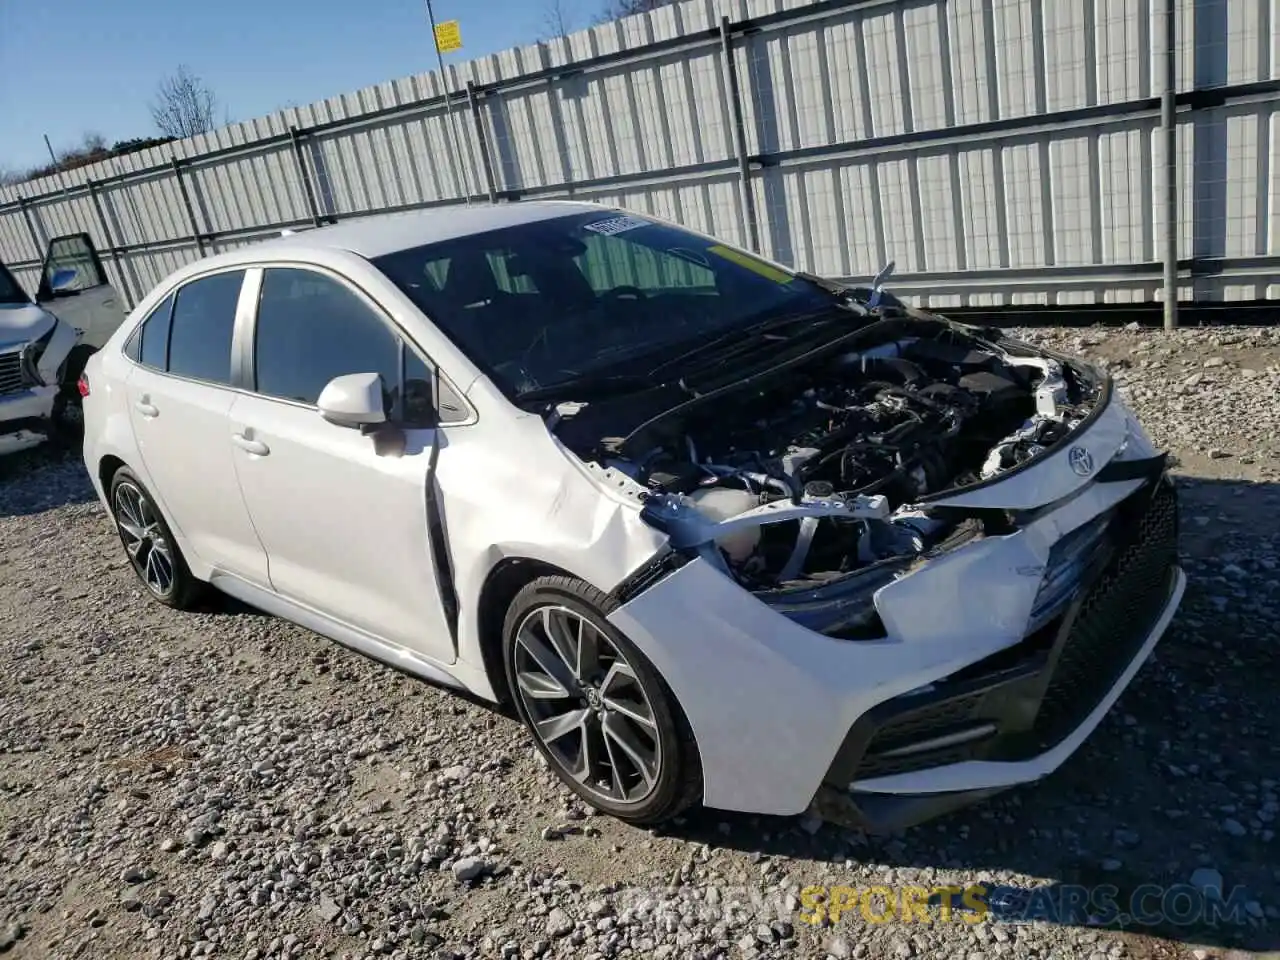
(615, 9)
(557, 19)
(184, 106)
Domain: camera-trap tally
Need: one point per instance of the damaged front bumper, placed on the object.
(25, 418)
(978, 682)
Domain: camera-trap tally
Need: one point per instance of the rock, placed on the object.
(559, 923)
(219, 851)
(327, 910)
(10, 934)
(1234, 827)
(468, 869)
(838, 947)
(1206, 879)
(136, 874)
(1110, 864)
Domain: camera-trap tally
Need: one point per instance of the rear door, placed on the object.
(179, 397)
(74, 288)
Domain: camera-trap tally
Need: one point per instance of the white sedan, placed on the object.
(721, 532)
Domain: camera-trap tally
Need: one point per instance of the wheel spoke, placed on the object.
(637, 711)
(562, 637)
(621, 691)
(588, 651)
(540, 686)
(615, 772)
(132, 529)
(558, 726)
(127, 508)
(589, 750)
(163, 563)
(546, 658)
(644, 759)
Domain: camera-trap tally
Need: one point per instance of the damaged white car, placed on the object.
(719, 531)
(45, 343)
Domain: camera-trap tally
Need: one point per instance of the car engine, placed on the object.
(816, 475)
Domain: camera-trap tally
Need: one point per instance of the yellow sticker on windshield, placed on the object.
(766, 270)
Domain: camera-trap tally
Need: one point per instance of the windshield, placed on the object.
(10, 292)
(546, 302)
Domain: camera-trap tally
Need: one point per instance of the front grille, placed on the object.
(11, 372)
(1115, 617)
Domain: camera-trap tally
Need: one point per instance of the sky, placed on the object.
(69, 67)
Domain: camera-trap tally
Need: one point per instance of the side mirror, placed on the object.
(353, 400)
(62, 280)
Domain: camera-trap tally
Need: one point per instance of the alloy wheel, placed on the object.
(144, 539)
(586, 704)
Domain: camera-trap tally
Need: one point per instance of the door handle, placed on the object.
(249, 445)
(146, 409)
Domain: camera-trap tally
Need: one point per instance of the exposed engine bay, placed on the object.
(794, 481)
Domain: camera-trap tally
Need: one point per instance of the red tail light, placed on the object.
(82, 385)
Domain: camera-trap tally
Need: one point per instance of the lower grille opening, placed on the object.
(1037, 692)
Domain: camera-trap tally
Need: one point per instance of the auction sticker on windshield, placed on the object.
(615, 225)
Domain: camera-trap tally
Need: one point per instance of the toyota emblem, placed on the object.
(1081, 461)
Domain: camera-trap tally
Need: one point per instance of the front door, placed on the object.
(343, 523)
(82, 296)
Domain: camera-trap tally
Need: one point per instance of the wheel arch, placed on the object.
(108, 466)
(507, 578)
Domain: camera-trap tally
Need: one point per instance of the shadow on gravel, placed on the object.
(42, 478)
(1175, 790)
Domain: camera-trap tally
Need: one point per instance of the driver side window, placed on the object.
(312, 328)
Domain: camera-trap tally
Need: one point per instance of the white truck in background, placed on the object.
(45, 342)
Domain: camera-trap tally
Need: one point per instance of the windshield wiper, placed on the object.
(747, 337)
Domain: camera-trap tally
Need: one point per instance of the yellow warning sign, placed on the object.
(448, 36)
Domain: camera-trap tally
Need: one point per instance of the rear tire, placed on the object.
(599, 712)
(149, 544)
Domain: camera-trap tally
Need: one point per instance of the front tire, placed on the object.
(149, 544)
(598, 711)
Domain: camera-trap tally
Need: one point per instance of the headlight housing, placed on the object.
(30, 359)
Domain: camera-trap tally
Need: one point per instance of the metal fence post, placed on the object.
(478, 121)
(186, 202)
(40, 242)
(746, 197)
(1169, 125)
(295, 137)
(111, 243)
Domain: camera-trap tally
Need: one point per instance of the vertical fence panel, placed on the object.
(1011, 149)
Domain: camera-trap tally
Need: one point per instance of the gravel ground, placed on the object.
(226, 784)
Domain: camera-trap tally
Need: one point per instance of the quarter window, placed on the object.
(204, 317)
(150, 345)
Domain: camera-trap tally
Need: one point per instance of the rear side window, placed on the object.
(203, 319)
(310, 329)
(150, 342)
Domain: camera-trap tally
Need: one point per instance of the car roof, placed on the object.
(379, 234)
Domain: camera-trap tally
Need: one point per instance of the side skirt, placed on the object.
(391, 654)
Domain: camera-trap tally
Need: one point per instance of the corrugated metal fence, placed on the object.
(1002, 151)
